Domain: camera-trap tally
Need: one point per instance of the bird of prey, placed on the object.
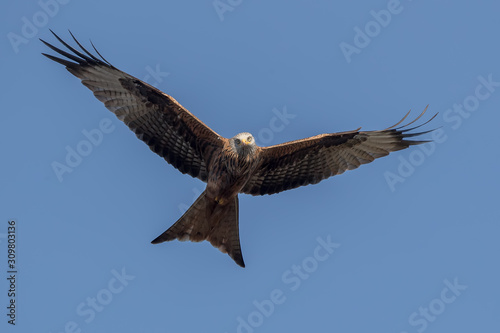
(228, 166)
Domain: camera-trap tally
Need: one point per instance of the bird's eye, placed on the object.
(249, 139)
(238, 141)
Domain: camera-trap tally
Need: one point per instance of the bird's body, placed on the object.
(232, 167)
(228, 166)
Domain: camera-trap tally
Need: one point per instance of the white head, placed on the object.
(243, 144)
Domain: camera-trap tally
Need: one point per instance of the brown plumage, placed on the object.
(228, 166)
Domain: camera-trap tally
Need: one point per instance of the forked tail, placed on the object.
(203, 221)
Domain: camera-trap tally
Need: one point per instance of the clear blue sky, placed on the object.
(415, 235)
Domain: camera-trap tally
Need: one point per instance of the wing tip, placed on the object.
(164, 237)
(75, 55)
(157, 240)
(240, 262)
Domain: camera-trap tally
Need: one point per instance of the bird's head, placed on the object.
(243, 144)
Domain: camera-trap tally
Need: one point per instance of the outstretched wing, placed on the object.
(156, 118)
(309, 161)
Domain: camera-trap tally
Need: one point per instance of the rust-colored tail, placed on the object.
(203, 221)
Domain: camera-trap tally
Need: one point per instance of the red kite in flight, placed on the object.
(228, 166)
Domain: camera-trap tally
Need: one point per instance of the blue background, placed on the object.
(401, 245)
